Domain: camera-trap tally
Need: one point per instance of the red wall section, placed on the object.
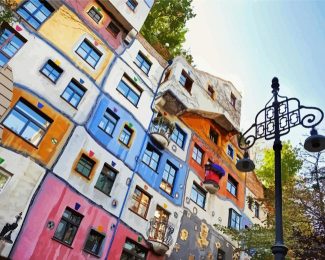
(35, 240)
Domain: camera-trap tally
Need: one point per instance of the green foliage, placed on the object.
(165, 27)
(7, 8)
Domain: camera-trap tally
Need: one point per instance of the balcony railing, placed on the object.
(161, 129)
(160, 235)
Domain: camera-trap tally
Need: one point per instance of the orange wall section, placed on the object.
(59, 129)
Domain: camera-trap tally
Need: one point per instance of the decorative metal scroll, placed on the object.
(160, 231)
(291, 114)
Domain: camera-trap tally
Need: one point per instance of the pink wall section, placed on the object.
(122, 233)
(82, 8)
(35, 240)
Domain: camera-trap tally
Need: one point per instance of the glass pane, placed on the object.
(33, 133)
(3, 59)
(193, 194)
(32, 114)
(134, 98)
(69, 234)
(123, 88)
(15, 121)
(75, 100)
(60, 229)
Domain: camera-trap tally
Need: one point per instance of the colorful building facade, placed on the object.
(122, 154)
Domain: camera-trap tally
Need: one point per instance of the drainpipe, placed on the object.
(170, 62)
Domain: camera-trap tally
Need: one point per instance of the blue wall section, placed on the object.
(111, 143)
(153, 178)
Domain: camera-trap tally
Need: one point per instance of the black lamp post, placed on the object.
(272, 122)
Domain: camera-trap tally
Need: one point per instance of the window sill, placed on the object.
(110, 135)
(198, 205)
(232, 195)
(108, 195)
(76, 108)
(136, 213)
(34, 146)
(61, 242)
(123, 144)
(150, 167)
(91, 253)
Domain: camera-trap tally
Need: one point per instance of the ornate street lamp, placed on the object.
(272, 122)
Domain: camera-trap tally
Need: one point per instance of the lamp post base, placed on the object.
(279, 251)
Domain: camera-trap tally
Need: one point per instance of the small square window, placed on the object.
(132, 4)
(178, 136)
(168, 178)
(129, 90)
(233, 100)
(234, 219)
(113, 29)
(213, 136)
(151, 157)
(198, 195)
(95, 14)
(89, 53)
(51, 71)
(94, 242)
(4, 179)
(73, 93)
(85, 165)
(126, 135)
(140, 202)
(108, 122)
(186, 81)
(197, 154)
(211, 92)
(230, 151)
(143, 63)
(232, 185)
(106, 179)
(68, 226)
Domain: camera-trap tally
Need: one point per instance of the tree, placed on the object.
(7, 8)
(165, 27)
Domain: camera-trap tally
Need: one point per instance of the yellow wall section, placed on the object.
(59, 129)
(65, 31)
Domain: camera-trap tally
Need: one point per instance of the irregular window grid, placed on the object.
(151, 158)
(73, 93)
(35, 12)
(27, 122)
(230, 151)
(140, 202)
(109, 121)
(142, 63)
(234, 219)
(85, 165)
(197, 154)
(68, 226)
(52, 71)
(9, 45)
(94, 14)
(132, 4)
(168, 178)
(94, 242)
(106, 180)
(89, 53)
(232, 187)
(198, 196)
(126, 135)
(131, 95)
(178, 136)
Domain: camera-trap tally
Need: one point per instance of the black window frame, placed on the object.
(69, 221)
(175, 136)
(106, 172)
(131, 253)
(70, 86)
(230, 219)
(230, 151)
(186, 81)
(214, 136)
(134, 198)
(129, 90)
(195, 154)
(153, 150)
(53, 66)
(87, 161)
(169, 174)
(232, 185)
(141, 60)
(107, 114)
(94, 13)
(102, 239)
(199, 191)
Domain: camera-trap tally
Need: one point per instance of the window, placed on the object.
(126, 135)
(106, 179)
(132, 4)
(73, 93)
(134, 251)
(213, 136)
(89, 53)
(143, 63)
(94, 242)
(4, 179)
(186, 81)
(257, 210)
(51, 71)
(94, 14)
(68, 226)
(198, 195)
(35, 12)
(178, 136)
(151, 157)
(221, 255)
(168, 178)
(211, 91)
(230, 151)
(234, 219)
(28, 122)
(85, 165)
(113, 29)
(232, 185)
(130, 91)
(233, 100)
(10, 42)
(197, 154)
(109, 121)
(140, 202)
(250, 203)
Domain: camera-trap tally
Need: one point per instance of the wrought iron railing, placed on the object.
(160, 231)
(161, 125)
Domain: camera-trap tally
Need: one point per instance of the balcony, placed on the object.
(213, 174)
(161, 130)
(160, 235)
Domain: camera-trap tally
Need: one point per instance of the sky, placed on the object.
(250, 42)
